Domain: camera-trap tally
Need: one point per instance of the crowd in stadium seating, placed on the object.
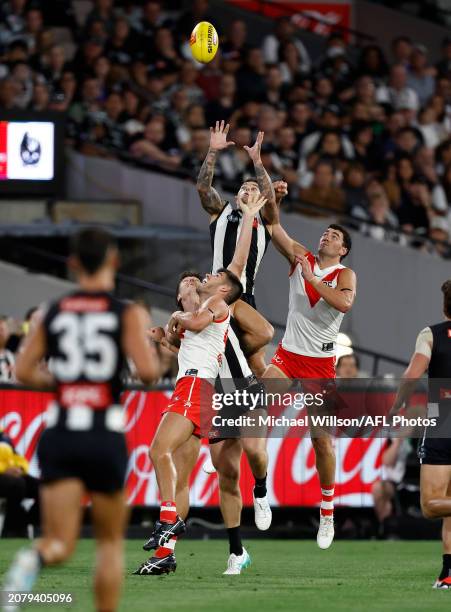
(356, 134)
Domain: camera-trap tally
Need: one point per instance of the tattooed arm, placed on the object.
(209, 197)
(263, 179)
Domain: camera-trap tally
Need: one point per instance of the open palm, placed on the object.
(218, 136)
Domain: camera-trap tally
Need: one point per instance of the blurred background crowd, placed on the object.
(365, 136)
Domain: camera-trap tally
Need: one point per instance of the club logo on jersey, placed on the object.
(327, 347)
(191, 372)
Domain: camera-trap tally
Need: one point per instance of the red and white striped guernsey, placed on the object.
(312, 324)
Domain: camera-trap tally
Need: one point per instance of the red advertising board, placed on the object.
(292, 478)
(319, 17)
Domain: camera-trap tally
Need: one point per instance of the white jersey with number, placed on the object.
(201, 353)
(312, 324)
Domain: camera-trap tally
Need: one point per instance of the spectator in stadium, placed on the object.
(152, 18)
(274, 94)
(292, 67)
(187, 79)
(384, 490)
(41, 97)
(372, 63)
(250, 79)
(284, 32)
(150, 146)
(353, 186)
(439, 236)
(198, 12)
(193, 118)
(401, 48)
(121, 48)
(234, 48)
(323, 191)
(382, 220)
(421, 77)
(15, 486)
(234, 163)
(431, 129)
(446, 182)
(103, 11)
(300, 119)
(397, 93)
(348, 366)
(416, 210)
(53, 64)
(193, 159)
(34, 25)
(6, 356)
(444, 65)
(285, 157)
(222, 107)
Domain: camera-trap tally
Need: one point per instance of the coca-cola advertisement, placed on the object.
(292, 477)
(322, 18)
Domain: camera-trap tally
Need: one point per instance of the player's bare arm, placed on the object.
(255, 203)
(209, 197)
(256, 331)
(263, 179)
(418, 365)
(158, 335)
(213, 309)
(342, 296)
(29, 365)
(288, 247)
(136, 322)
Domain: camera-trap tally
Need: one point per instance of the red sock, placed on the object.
(168, 512)
(167, 549)
(327, 499)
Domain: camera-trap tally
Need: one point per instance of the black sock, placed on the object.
(260, 487)
(235, 546)
(446, 569)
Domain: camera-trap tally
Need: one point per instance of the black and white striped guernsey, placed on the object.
(224, 233)
(234, 372)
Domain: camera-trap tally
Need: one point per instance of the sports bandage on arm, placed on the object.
(424, 342)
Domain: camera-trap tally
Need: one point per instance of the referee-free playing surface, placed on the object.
(363, 576)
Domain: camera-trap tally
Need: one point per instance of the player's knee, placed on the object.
(323, 447)
(430, 509)
(56, 551)
(228, 476)
(157, 453)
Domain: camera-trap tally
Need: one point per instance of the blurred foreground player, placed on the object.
(87, 335)
(202, 332)
(322, 290)
(433, 354)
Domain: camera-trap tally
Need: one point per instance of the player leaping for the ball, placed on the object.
(322, 290)
(203, 337)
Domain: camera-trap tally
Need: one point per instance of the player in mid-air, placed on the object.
(203, 328)
(246, 348)
(226, 224)
(433, 354)
(322, 290)
(87, 336)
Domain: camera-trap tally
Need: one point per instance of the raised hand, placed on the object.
(280, 189)
(218, 137)
(254, 151)
(254, 203)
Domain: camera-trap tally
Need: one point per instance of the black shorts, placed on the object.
(97, 458)
(249, 299)
(434, 451)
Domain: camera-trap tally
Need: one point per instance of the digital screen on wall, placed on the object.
(31, 153)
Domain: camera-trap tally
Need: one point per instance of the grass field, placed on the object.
(285, 575)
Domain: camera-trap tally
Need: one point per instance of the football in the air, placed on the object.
(204, 42)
